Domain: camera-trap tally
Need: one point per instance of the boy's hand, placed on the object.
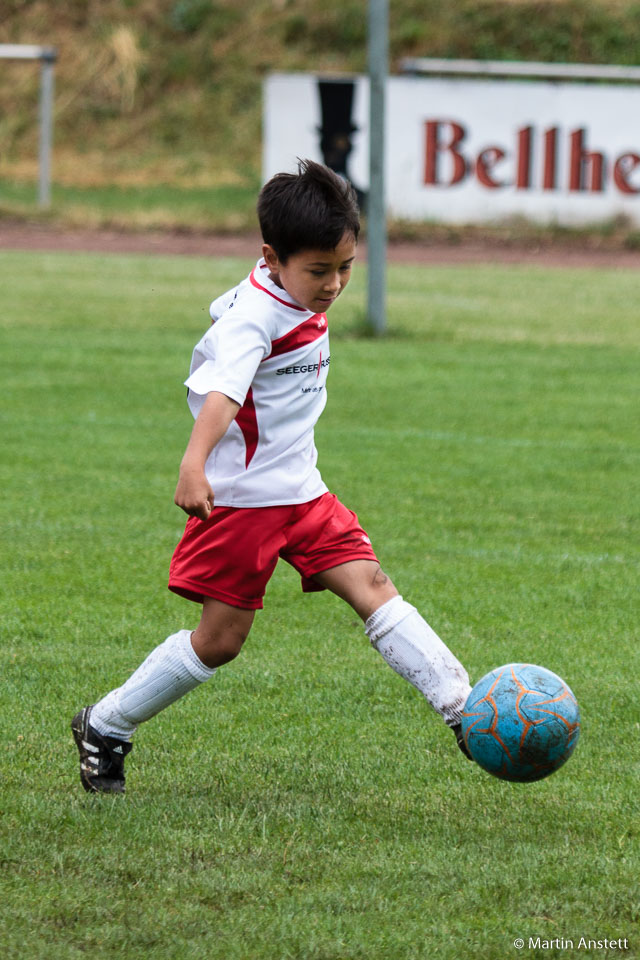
(194, 494)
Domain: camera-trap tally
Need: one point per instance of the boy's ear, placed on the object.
(270, 257)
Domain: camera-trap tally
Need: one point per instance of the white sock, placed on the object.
(170, 671)
(413, 650)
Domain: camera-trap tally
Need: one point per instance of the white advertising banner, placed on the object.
(470, 151)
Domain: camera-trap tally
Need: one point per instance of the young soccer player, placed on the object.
(249, 482)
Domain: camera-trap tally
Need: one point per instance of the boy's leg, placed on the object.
(222, 630)
(178, 665)
(401, 636)
(174, 668)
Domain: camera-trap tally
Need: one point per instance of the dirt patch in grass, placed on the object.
(32, 236)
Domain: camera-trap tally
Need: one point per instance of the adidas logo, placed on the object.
(118, 750)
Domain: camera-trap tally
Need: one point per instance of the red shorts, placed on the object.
(232, 555)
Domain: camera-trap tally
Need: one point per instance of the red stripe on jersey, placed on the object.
(302, 335)
(248, 422)
(252, 278)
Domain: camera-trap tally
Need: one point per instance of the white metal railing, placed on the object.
(47, 57)
(514, 69)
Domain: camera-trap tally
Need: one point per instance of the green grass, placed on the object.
(306, 803)
(221, 208)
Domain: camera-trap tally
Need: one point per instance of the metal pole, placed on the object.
(46, 126)
(376, 206)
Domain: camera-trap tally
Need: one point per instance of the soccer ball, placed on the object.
(521, 722)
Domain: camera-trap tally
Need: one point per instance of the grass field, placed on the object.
(306, 803)
(222, 208)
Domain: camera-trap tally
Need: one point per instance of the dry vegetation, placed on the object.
(169, 91)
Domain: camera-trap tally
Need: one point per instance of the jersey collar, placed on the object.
(260, 279)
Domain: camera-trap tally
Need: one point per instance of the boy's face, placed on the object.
(314, 278)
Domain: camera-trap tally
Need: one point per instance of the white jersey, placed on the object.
(271, 356)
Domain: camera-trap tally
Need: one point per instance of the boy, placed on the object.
(249, 482)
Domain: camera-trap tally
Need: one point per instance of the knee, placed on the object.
(217, 647)
(379, 590)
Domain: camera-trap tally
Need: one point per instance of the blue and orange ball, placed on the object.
(521, 722)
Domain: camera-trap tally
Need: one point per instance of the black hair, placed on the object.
(308, 210)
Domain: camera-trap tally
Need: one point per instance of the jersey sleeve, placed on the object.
(227, 357)
(221, 304)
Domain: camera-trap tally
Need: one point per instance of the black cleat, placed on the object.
(460, 740)
(101, 758)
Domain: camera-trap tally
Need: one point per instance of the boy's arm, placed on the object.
(193, 493)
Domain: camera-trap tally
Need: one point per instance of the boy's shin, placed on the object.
(411, 648)
(169, 672)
